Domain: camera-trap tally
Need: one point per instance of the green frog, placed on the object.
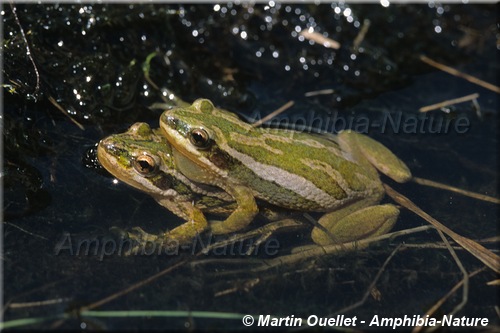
(142, 158)
(336, 175)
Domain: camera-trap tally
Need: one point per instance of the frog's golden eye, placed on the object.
(200, 138)
(145, 165)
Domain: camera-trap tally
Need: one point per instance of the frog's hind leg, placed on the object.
(339, 227)
(377, 154)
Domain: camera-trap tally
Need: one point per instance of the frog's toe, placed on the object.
(119, 232)
(139, 235)
(135, 240)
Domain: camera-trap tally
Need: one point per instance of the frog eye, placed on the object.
(145, 164)
(199, 138)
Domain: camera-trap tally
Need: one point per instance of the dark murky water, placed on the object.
(88, 60)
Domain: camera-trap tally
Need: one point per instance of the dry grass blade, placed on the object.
(316, 37)
(465, 292)
(273, 114)
(484, 255)
(39, 303)
(361, 35)
(439, 303)
(457, 73)
(319, 92)
(431, 183)
(371, 286)
(443, 104)
(28, 51)
(26, 231)
(60, 108)
(315, 251)
(132, 287)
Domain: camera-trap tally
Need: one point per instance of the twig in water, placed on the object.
(273, 114)
(438, 304)
(457, 73)
(480, 252)
(471, 97)
(28, 51)
(310, 34)
(465, 291)
(26, 231)
(60, 108)
(470, 194)
(319, 92)
(315, 251)
(132, 287)
(371, 286)
(361, 35)
(39, 303)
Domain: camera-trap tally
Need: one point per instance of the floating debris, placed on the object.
(310, 34)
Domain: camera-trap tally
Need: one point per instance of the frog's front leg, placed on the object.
(242, 215)
(195, 223)
(244, 197)
(354, 223)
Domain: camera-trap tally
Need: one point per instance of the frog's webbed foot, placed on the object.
(171, 241)
(129, 240)
(137, 241)
(139, 235)
(262, 233)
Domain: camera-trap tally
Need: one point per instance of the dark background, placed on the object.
(88, 59)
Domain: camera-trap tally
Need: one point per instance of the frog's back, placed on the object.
(286, 168)
(300, 170)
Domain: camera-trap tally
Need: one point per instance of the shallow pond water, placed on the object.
(84, 78)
